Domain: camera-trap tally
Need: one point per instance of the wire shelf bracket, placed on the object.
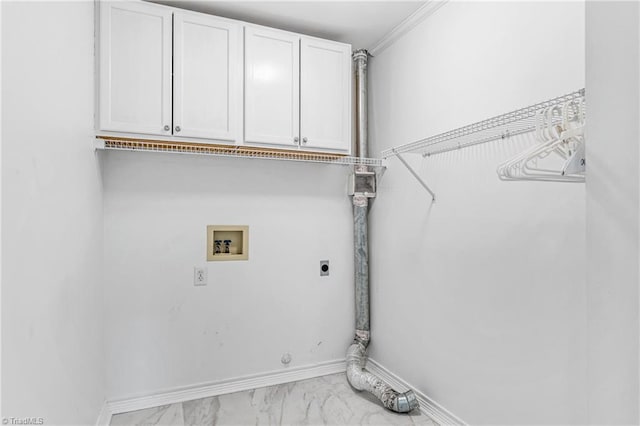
(416, 175)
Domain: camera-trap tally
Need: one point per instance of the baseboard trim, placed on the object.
(427, 405)
(238, 384)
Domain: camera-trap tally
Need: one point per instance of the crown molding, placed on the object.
(423, 12)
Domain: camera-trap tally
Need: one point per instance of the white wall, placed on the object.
(162, 332)
(52, 326)
(479, 299)
(613, 51)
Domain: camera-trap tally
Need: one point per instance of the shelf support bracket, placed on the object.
(415, 175)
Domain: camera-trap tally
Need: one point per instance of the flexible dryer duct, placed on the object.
(360, 378)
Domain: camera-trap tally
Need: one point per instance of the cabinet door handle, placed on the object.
(167, 128)
(304, 140)
(177, 128)
(295, 139)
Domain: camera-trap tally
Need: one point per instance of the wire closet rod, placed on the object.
(499, 127)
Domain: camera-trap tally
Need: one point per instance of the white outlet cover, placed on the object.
(199, 276)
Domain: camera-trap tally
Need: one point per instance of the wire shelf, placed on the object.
(496, 128)
(121, 144)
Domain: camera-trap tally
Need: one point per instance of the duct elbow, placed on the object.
(406, 402)
(363, 380)
(355, 365)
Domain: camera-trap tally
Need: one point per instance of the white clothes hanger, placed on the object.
(558, 130)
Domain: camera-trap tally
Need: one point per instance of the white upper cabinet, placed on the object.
(190, 76)
(325, 95)
(207, 77)
(272, 87)
(135, 68)
(297, 91)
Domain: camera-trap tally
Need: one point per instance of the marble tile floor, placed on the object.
(327, 400)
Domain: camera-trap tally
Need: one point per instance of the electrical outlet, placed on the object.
(199, 276)
(324, 268)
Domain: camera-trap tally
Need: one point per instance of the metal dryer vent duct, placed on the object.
(363, 181)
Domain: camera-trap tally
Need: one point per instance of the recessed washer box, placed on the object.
(227, 242)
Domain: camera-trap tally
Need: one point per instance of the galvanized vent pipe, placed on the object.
(363, 188)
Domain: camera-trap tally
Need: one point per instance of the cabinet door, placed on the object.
(272, 87)
(206, 76)
(325, 105)
(135, 67)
